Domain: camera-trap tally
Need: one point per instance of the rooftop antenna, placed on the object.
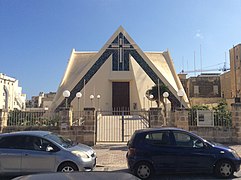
(224, 66)
(194, 64)
(182, 63)
(201, 57)
(187, 64)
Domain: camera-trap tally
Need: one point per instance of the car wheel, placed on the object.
(143, 170)
(224, 169)
(67, 167)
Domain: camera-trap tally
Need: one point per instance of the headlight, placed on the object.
(80, 154)
(234, 153)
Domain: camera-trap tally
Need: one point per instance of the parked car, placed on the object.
(43, 151)
(165, 150)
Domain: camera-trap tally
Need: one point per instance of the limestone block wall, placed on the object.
(216, 134)
(181, 119)
(236, 121)
(83, 134)
(156, 117)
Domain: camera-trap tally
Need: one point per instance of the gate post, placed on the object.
(156, 117)
(89, 125)
(236, 121)
(181, 118)
(66, 119)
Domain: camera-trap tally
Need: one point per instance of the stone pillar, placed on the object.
(181, 118)
(3, 119)
(156, 117)
(89, 126)
(236, 121)
(66, 119)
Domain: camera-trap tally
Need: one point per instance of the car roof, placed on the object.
(93, 175)
(35, 133)
(159, 129)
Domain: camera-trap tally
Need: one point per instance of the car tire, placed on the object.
(67, 167)
(143, 170)
(224, 169)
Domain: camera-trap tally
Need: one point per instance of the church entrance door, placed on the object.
(120, 95)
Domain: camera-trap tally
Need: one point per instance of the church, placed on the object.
(118, 77)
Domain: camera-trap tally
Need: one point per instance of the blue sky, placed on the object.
(36, 37)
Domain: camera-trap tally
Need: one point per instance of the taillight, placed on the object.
(131, 151)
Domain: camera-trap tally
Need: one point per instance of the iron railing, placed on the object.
(215, 119)
(30, 118)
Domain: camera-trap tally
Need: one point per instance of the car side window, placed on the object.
(186, 140)
(158, 138)
(46, 143)
(30, 143)
(37, 143)
(11, 142)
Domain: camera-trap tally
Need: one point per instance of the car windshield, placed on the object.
(64, 142)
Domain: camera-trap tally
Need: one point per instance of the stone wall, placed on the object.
(86, 133)
(83, 134)
(217, 134)
(236, 121)
(156, 117)
(181, 119)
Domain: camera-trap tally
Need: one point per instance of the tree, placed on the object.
(222, 116)
(158, 97)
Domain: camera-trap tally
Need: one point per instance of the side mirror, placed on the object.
(49, 149)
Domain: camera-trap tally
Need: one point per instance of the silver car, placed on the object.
(42, 151)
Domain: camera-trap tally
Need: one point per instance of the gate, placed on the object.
(118, 126)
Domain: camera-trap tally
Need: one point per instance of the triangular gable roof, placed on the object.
(82, 66)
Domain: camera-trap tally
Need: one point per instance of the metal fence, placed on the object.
(30, 118)
(210, 118)
(78, 118)
(119, 125)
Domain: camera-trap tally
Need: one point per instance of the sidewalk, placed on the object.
(111, 157)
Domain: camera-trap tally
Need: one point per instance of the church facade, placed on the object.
(118, 76)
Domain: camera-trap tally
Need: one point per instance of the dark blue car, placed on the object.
(165, 150)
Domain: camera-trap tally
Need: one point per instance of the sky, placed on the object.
(37, 37)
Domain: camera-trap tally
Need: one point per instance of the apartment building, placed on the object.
(235, 70)
(11, 96)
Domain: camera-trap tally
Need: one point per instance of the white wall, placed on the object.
(101, 84)
(12, 95)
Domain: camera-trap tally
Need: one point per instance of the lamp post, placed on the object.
(66, 95)
(180, 94)
(91, 99)
(78, 95)
(165, 95)
(144, 104)
(151, 97)
(98, 98)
